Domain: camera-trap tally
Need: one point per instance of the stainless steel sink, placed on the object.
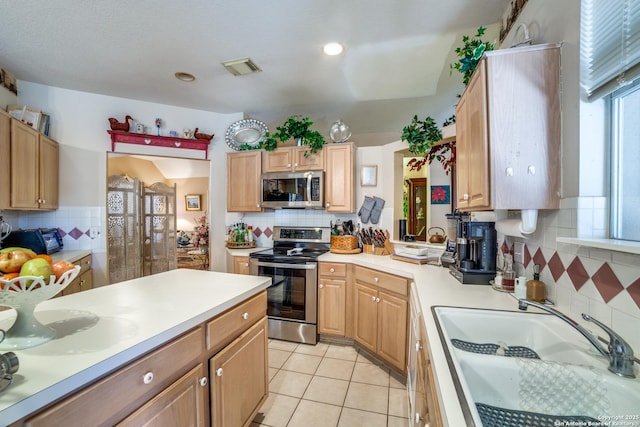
(569, 380)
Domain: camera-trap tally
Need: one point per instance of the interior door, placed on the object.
(418, 195)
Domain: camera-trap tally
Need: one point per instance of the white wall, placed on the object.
(79, 122)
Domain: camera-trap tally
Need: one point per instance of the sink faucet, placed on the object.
(619, 352)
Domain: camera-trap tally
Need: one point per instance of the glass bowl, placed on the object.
(23, 294)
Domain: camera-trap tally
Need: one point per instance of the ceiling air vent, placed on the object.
(240, 67)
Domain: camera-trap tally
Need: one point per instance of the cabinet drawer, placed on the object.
(117, 395)
(330, 269)
(226, 327)
(85, 263)
(381, 280)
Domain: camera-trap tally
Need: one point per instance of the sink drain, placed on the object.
(511, 351)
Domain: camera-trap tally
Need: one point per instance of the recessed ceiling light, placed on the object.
(332, 48)
(185, 77)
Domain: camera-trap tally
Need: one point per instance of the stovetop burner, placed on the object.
(296, 245)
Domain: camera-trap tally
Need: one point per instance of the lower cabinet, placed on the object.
(332, 299)
(239, 378)
(171, 386)
(84, 280)
(380, 315)
(180, 404)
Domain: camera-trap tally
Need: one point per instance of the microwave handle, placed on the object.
(309, 187)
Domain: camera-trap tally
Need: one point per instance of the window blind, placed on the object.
(609, 45)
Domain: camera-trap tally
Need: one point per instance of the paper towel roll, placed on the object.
(511, 227)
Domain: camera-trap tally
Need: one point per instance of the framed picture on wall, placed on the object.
(369, 176)
(192, 202)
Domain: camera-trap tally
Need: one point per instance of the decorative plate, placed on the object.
(247, 131)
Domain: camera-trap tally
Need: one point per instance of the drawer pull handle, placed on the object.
(377, 299)
(373, 299)
(147, 378)
(219, 372)
(375, 279)
(320, 286)
(245, 316)
(418, 346)
(203, 381)
(332, 270)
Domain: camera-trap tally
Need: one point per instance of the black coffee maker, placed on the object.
(476, 251)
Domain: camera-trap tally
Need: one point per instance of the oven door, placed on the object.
(293, 291)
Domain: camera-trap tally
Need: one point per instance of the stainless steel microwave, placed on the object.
(293, 190)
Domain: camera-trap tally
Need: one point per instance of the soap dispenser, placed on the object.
(536, 289)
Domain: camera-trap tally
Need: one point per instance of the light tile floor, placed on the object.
(329, 385)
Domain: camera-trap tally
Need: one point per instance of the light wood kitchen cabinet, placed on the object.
(180, 404)
(239, 378)
(241, 264)
(30, 173)
(339, 192)
(243, 181)
(380, 315)
(332, 299)
(508, 131)
(84, 280)
(291, 159)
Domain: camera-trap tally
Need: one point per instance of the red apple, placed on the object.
(12, 261)
(60, 267)
(37, 267)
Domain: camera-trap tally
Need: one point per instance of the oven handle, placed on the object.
(309, 266)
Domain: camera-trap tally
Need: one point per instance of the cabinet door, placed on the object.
(365, 317)
(309, 162)
(279, 160)
(241, 265)
(5, 160)
(392, 329)
(181, 404)
(332, 299)
(433, 415)
(339, 178)
(473, 144)
(24, 166)
(243, 181)
(49, 176)
(239, 378)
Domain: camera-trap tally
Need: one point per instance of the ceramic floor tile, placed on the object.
(290, 383)
(302, 363)
(342, 352)
(397, 422)
(315, 350)
(363, 359)
(276, 411)
(327, 390)
(395, 382)
(277, 358)
(398, 403)
(272, 373)
(370, 374)
(356, 418)
(283, 345)
(315, 414)
(367, 397)
(336, 368)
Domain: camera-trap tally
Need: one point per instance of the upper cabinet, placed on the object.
(339, 193)
(243, 181)
(508, 131)
(30, 167)
(292, 159)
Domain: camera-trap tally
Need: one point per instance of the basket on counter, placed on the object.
(240, 245)
(344, 245)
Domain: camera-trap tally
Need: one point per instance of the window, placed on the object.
(625, 162)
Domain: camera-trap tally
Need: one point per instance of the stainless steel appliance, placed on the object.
(292, 265)
(476, 251)
(39, 240)
(293, 190)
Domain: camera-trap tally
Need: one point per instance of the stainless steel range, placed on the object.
(292, 265)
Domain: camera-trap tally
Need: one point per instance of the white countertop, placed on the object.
(435, 286)
(104, 328)
(244, 252)
(70, 255)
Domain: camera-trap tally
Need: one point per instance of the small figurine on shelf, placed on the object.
(158, 124)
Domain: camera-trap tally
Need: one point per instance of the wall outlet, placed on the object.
(518, 252)
(94, 232)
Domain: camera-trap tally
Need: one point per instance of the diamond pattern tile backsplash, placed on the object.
(605, 284)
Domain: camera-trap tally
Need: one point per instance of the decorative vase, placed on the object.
(299, 142)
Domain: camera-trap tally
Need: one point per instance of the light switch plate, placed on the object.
(518, 252)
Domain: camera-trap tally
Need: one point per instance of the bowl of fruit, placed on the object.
(28, 279)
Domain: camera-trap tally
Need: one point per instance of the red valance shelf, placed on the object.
(158, 141)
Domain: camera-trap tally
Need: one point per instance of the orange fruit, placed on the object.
(45, 256)
(8, 277)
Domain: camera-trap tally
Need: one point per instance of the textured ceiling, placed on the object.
(396, 62)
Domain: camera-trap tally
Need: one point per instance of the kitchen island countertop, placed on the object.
(103, 329)
(435, 286)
